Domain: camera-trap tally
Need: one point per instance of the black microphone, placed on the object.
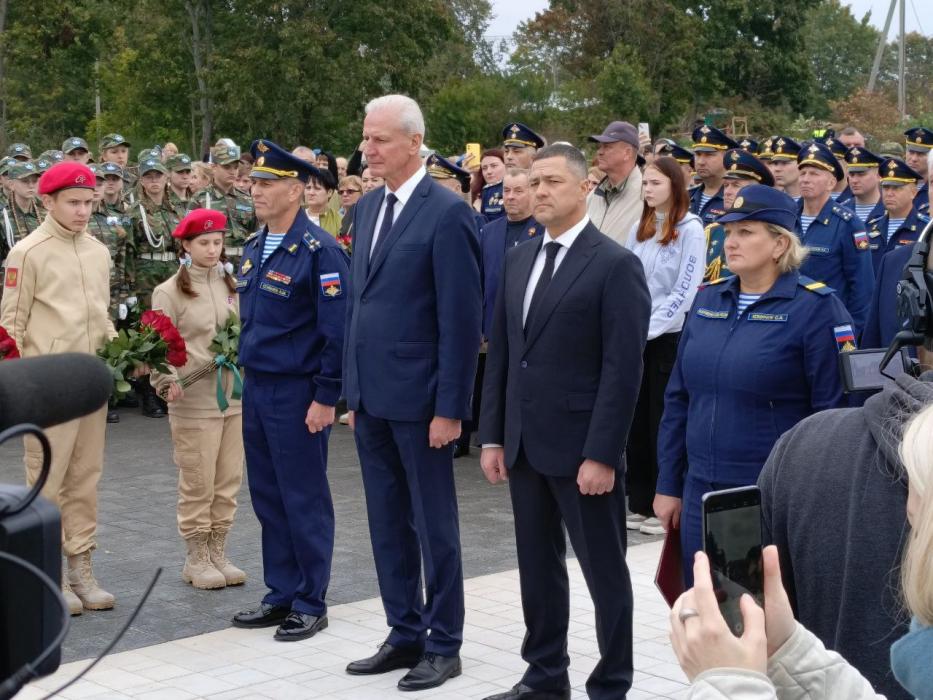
(903, 339)
(52, 389)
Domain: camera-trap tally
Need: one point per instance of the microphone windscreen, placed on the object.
(52, 389)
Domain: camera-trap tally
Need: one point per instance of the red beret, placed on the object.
(200, 221)
(63, 176)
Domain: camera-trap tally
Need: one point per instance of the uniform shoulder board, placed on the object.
(253, 236)
(875, 221)
(310, 241)
(712, 282)
(814, 286)
(842, 212)
(693, 187)
(923, 218)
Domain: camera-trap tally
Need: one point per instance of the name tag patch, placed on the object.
(241, 284)
(768, 318)
(709, 313)
(822, 250)
(278, 291)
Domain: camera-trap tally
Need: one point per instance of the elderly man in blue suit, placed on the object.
(413, 330)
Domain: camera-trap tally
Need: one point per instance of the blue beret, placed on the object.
(272, 162)
(742, 164)
(818, 155)
(762, 203)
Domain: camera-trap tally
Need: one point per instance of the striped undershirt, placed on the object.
(893, 225)
(805, 222)
(704, 199)
(863, 210)
(273, 241)
(746, 300)
(834, 195)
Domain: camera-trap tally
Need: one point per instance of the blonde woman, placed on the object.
(779, 657)
(205, 419)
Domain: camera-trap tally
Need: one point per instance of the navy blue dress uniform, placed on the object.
(895, 173)
(413, 334)
(293, 308)
(919, 139)
(839, 252)
(709, 139)
(740, 381)
(740, 165)
(492, 206)
(839, 150)
(859, 160)
(495, 239)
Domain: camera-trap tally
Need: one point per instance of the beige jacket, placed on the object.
(197, 320)
(802, 669)
(615, 210)
(56, 292)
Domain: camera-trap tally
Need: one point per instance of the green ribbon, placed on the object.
(221, 361)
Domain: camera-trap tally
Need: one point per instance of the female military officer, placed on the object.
(153, 260)
(758, 353)
(206, 421)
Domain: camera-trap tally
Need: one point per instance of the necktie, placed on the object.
(550, 250)
(387, 218)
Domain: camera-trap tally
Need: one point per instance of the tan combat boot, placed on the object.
(85, 586)
(232, 574)
(71, 600)
(198, 570)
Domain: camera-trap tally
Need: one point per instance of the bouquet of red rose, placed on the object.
(8, 349)
(156, 343)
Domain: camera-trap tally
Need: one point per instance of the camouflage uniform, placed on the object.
(19, 223)
(237, 205)
(112, 141)
(181, 205)
(20, 151)
(153, 258)
(109, 229)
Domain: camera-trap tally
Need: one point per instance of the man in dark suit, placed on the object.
(413, 330)
(563, 371)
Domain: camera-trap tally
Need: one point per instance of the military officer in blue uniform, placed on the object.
(919, 142)
(841, 191)
(900, 224)
(292, 283)
(709, 143)
(454, 178)
(749, 145)
(784, 152)
(839, 252)
(519, 144)
(864, 184)
(742, 169)
(759, 352)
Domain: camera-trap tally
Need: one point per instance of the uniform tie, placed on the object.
(387, 220)
(550, 250)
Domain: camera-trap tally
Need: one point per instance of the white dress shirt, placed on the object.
(565, 240)
(403, 193)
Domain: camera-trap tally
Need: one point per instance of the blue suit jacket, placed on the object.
(414, 310)
(492, 247)
(883, 323)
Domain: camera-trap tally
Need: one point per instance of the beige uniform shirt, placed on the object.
(197, 320)
(56, 292)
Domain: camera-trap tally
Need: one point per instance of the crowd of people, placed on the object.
(620, 334)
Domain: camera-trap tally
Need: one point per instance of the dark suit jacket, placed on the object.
(567, 392)
(413, 312)
(492, 249)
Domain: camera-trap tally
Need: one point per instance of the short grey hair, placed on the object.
(517, 172)
(574, 157)
(410, 118)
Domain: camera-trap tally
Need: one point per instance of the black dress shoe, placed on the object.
(265, 615)
(461, 450)
(152, 408)
(388, 658)
(300, 626)
(433, 670)
(523, 692)
(128, 401)
(113, 416)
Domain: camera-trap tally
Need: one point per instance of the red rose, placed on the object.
(8, 349)
(177, 358)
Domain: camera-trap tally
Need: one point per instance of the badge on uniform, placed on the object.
(330, 285)
(12, 276)
(278, 277)
(768, 318)
(293, 248)
(246, 266)
(861, 240)
(272, 289)
(845, 337)
(709, 313)
(531, 231)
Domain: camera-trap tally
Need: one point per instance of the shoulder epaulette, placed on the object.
(310, 241)
(253, 236)
(716, 281)
(923, 218)
(872, 222)
(814, 286)
(842, 212)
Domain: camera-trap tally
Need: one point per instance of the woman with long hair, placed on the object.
(670, 243)
(206, 416)
(486, 185)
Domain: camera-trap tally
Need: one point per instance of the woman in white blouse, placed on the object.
(671, 245)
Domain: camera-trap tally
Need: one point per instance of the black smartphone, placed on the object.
(732, 542)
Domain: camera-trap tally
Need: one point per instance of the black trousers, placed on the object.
(471, 426)
(641, 476)
(543, 506)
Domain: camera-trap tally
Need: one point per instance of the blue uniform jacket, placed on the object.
(414, 311)
(906, 235)
(493, 247)
(491, 198)
(840, 257)
(849, 203)
(883, 323)
(714, 207)
(293, 306)
(739, 383)
(922, 199)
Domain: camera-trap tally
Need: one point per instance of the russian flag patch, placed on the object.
(330, 285)
(845, 337)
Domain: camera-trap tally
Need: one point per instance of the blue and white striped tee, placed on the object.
(863, 210)
(745, 300)
(834, 195)
(893, 225)
(805, 222)
(704, 198)
(273, 241)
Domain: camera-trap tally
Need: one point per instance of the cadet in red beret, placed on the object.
(56, 299)
(205, 417)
